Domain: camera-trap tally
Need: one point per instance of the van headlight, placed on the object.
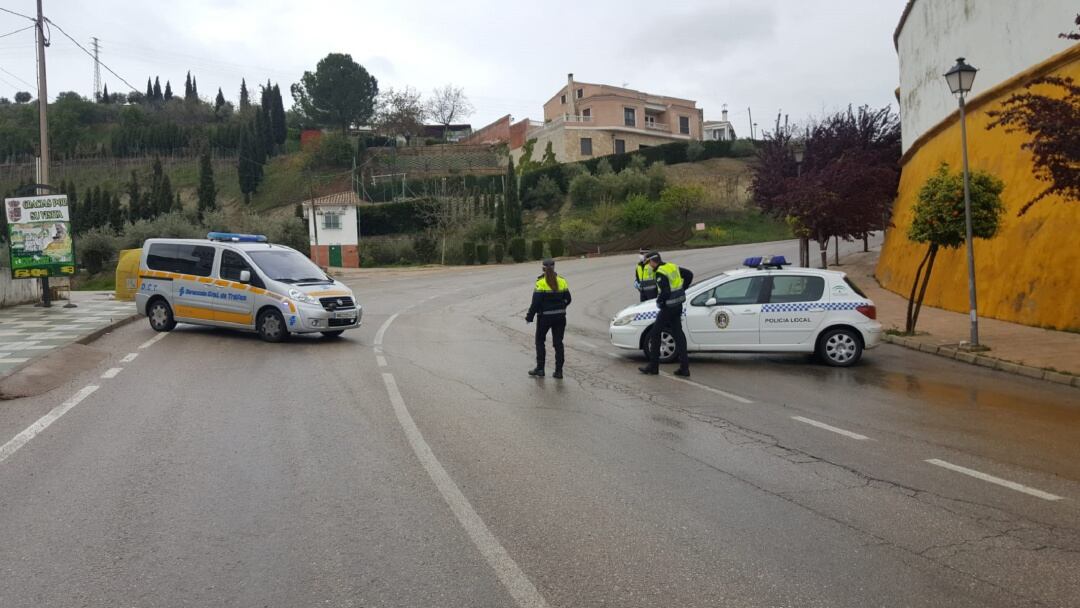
(623, 320)
(300, 296)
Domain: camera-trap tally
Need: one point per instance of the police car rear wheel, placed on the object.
(161, 316)
(840, 348)
(271, 326)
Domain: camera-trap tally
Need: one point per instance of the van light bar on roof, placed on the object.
(767, 261)
(235, 238)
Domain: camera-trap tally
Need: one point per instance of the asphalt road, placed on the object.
(413, 463)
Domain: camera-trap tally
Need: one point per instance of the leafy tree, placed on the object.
(207, 192)
(339, 93)
(22, 97)
(640, 213)
(447, 104)
(168, 91)
(544, 195)
(400, 112)
(683, 200)
(245, 100)
(940, 221)
(1053, 122)
(585, 190)
(219, 101)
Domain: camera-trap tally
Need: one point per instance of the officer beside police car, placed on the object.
(672, 283)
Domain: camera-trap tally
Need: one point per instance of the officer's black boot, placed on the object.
(558, 373)
(683, 371)
(537, 373)
(649, 370)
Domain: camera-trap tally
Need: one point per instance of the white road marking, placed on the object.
(829, 427)
(586, 344)
(111, 372)
(43, 423)
(13, 360)
(382, 329)
(128, 358)
(724, 394)
(506, 569)
(381, 360)
(153, 340)
(1012, 485)
(377, 350)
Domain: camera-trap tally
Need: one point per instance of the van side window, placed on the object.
(194, 259)
(161, 257)
(231, 265)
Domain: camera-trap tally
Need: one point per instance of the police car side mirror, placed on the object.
(245, 276)
(710, 302)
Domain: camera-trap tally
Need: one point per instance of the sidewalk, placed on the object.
(28, 332)
(1030, 351)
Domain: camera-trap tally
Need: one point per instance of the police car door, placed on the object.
(794, 309)
(726, 315)
(236, 303)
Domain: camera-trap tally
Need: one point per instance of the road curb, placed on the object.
(986, 361)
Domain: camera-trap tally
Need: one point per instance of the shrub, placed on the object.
(585, 190)
(292, 233)
(537, 250)
(544, 195)
(694, 150)
(639, 213)
(500, 253)
(657, 180)
(482, 253)
(683, 200)
(632, 182)
(390, 218)
(579, 230)
(603, 167)
(637, 163)
(333, 150)
(557, 247)
(468, 251)
(571, 170)
(517, 249)
(386, 252)
(170, 225)
(95, 248)
(426, 248)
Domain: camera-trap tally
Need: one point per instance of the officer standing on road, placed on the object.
(550, 299)
(645, 278)
(671, 282)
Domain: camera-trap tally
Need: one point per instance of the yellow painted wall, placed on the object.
(1030, 272)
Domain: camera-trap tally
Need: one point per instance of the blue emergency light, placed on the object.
(766, 261)
(235, 238)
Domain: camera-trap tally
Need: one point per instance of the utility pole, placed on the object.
(97, 70)
(43, 106)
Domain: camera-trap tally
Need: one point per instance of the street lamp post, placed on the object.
(804, 243)
(960, 78)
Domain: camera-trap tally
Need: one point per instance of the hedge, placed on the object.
(482, 253)
(390, 218)
(557, 248)
(468, 251)
(500, 253)
(537, 249)
(517, 249)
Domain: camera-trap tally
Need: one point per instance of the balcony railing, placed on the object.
(657, 126)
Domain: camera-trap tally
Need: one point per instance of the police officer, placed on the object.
(671, 282)
(644, 278)
(550, 299)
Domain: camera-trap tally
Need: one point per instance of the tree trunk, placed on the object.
(442, 258)
(866, 242)
(804, 248)
(823, 244)
(836, 250)
(922, 290)
(909, 324)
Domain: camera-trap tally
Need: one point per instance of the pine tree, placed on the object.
(168, 91)
(187, 87)
(104, 95)
(116, 213)
(245, 102)
(513, 207)
(149, 90)
(219, 101)
(157, 89)
(277, 118)
(207, 191)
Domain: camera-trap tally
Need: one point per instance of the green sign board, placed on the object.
(39, 236)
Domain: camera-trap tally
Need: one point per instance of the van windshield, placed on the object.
(288, 266)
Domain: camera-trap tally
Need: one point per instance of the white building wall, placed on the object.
(999, 37)
(346, 235)
(17, 291)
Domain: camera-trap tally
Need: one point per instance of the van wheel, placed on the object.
(161, 316)
(271, 326)
(333, 334)
(840, 347)
(667, 346)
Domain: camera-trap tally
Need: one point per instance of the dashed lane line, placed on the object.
(111, 372)
(704, 387)
(153, 340)
(128, 358)
(381, 360)
(829, 427)
(43, 423)
(1005, 483)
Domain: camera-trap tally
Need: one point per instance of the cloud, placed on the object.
(701, 36)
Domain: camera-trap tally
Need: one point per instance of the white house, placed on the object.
(334, 229)
(718, 130)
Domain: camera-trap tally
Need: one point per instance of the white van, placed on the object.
(243, 282)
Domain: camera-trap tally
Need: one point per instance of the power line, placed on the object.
(18, 14)
(15, 76)
(16, 31)
(91, 55)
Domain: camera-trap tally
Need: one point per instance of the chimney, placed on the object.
(570, 93)
(724, 113)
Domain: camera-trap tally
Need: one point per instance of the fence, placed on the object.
(13, 173)
(439, 160)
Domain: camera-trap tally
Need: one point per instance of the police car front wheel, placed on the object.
(271, 326)
(161, 316)
(667, 346)
(840, 347)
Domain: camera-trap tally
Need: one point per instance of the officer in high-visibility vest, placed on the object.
(644, 278)
(550, 298)
(671, 283)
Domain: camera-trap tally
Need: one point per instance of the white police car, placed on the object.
(764, 307)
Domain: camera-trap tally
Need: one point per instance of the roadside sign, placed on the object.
(39, 236)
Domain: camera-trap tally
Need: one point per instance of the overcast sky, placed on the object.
(801, 57)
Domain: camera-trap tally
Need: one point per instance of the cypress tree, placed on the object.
(165, 196)
(177, 205)
(219, 101)
(513, 208)
(149, 90)
(168, 91)
(135, 210)
(245, 169)
(245, 102)
(277, 116)
(157, 89)
(194, 89)
(104, 95)
(87, 210)
(116, 213)
(500, 222)
(207, 192)
(262, 136)
(187, 87)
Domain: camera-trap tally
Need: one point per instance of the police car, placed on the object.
(764, 307)
(243, 282)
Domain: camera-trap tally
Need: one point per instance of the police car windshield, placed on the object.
(287, 266)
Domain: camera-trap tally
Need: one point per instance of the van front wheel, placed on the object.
(271, 326)
(161, 316)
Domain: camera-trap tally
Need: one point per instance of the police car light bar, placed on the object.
(235, 238)
(767, 261)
